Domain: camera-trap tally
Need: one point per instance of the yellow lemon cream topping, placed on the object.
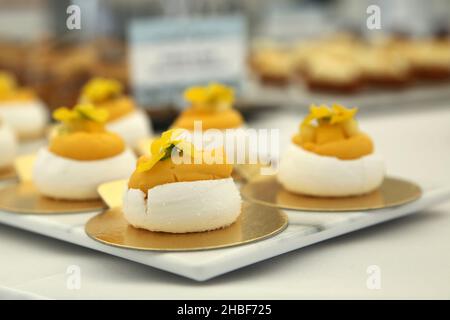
(10, 91)
(81, 134)
(108, 94)
(213, 105)
(160, 167)
(333, 132)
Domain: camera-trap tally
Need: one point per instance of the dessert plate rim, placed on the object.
(394, 191)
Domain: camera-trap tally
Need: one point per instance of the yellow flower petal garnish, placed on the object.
(64, 114)
(81, 112)
(213, 97)
(317, 113)
(341, 114)
(7, 84)
(333, 115)
(101, 89)
(161, 148)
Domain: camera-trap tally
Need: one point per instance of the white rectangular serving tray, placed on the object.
(305, 228)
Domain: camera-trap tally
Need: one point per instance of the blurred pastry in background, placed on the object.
(8, 146)
(171, 192)
(125, 118)
(385, 67)
(13, 58)
(330, 156)
(211, 114)
(21, 109)
(58, 68)
(212, 105)
(344, 63)
(81, 155)
(332, 72)
(344, 45)
(300, 53)
(111, 61)
(272, 66)
(430, 58)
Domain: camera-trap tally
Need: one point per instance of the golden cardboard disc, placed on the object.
(247, 171)
(8, 173)
(112, 192)
(392, 192)
(24, 166)
(255, 223)
(25, 198)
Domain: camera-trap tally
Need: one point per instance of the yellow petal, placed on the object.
(101, 89)
(341, 114)
(195, 95)
(63, 114)
(160, 146)
(148, 164)
(335, 114)
(320, 112)
(214, 96)
(7, 83)
(316, 113)
(90, 112)
(156, 146)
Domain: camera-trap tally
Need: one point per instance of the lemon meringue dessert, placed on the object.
(125, 119)
(330, 156)
(212, 105)
(8, 146)
(81, 155)
(211, 113)
(168, 195)
(21, 109)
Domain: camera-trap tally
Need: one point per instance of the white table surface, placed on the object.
(413, 253)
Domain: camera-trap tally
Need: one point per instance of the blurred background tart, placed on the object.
(385, 67)
(430, 59)
(81, 155)
(332, 72)
(272, 65)
(21, 109)
(8, 146)
(125, 118)
(330, 156)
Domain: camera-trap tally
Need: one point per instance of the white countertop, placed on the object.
(412, 253)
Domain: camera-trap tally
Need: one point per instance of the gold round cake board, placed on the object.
(255, 223)
(392, 192)
(25, 198)
(8, 173)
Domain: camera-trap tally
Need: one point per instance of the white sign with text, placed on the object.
(167, 55)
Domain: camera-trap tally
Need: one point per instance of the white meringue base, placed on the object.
(27, 119)
(132, 128)
(8, 146)
(182, 207)
(304, 172)
(64, 178)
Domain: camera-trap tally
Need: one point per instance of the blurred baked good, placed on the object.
(383, 66)
(430, 58)
(13, 58)
(346, 63)
(58, 69)
(332, 72)
(273, 66)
